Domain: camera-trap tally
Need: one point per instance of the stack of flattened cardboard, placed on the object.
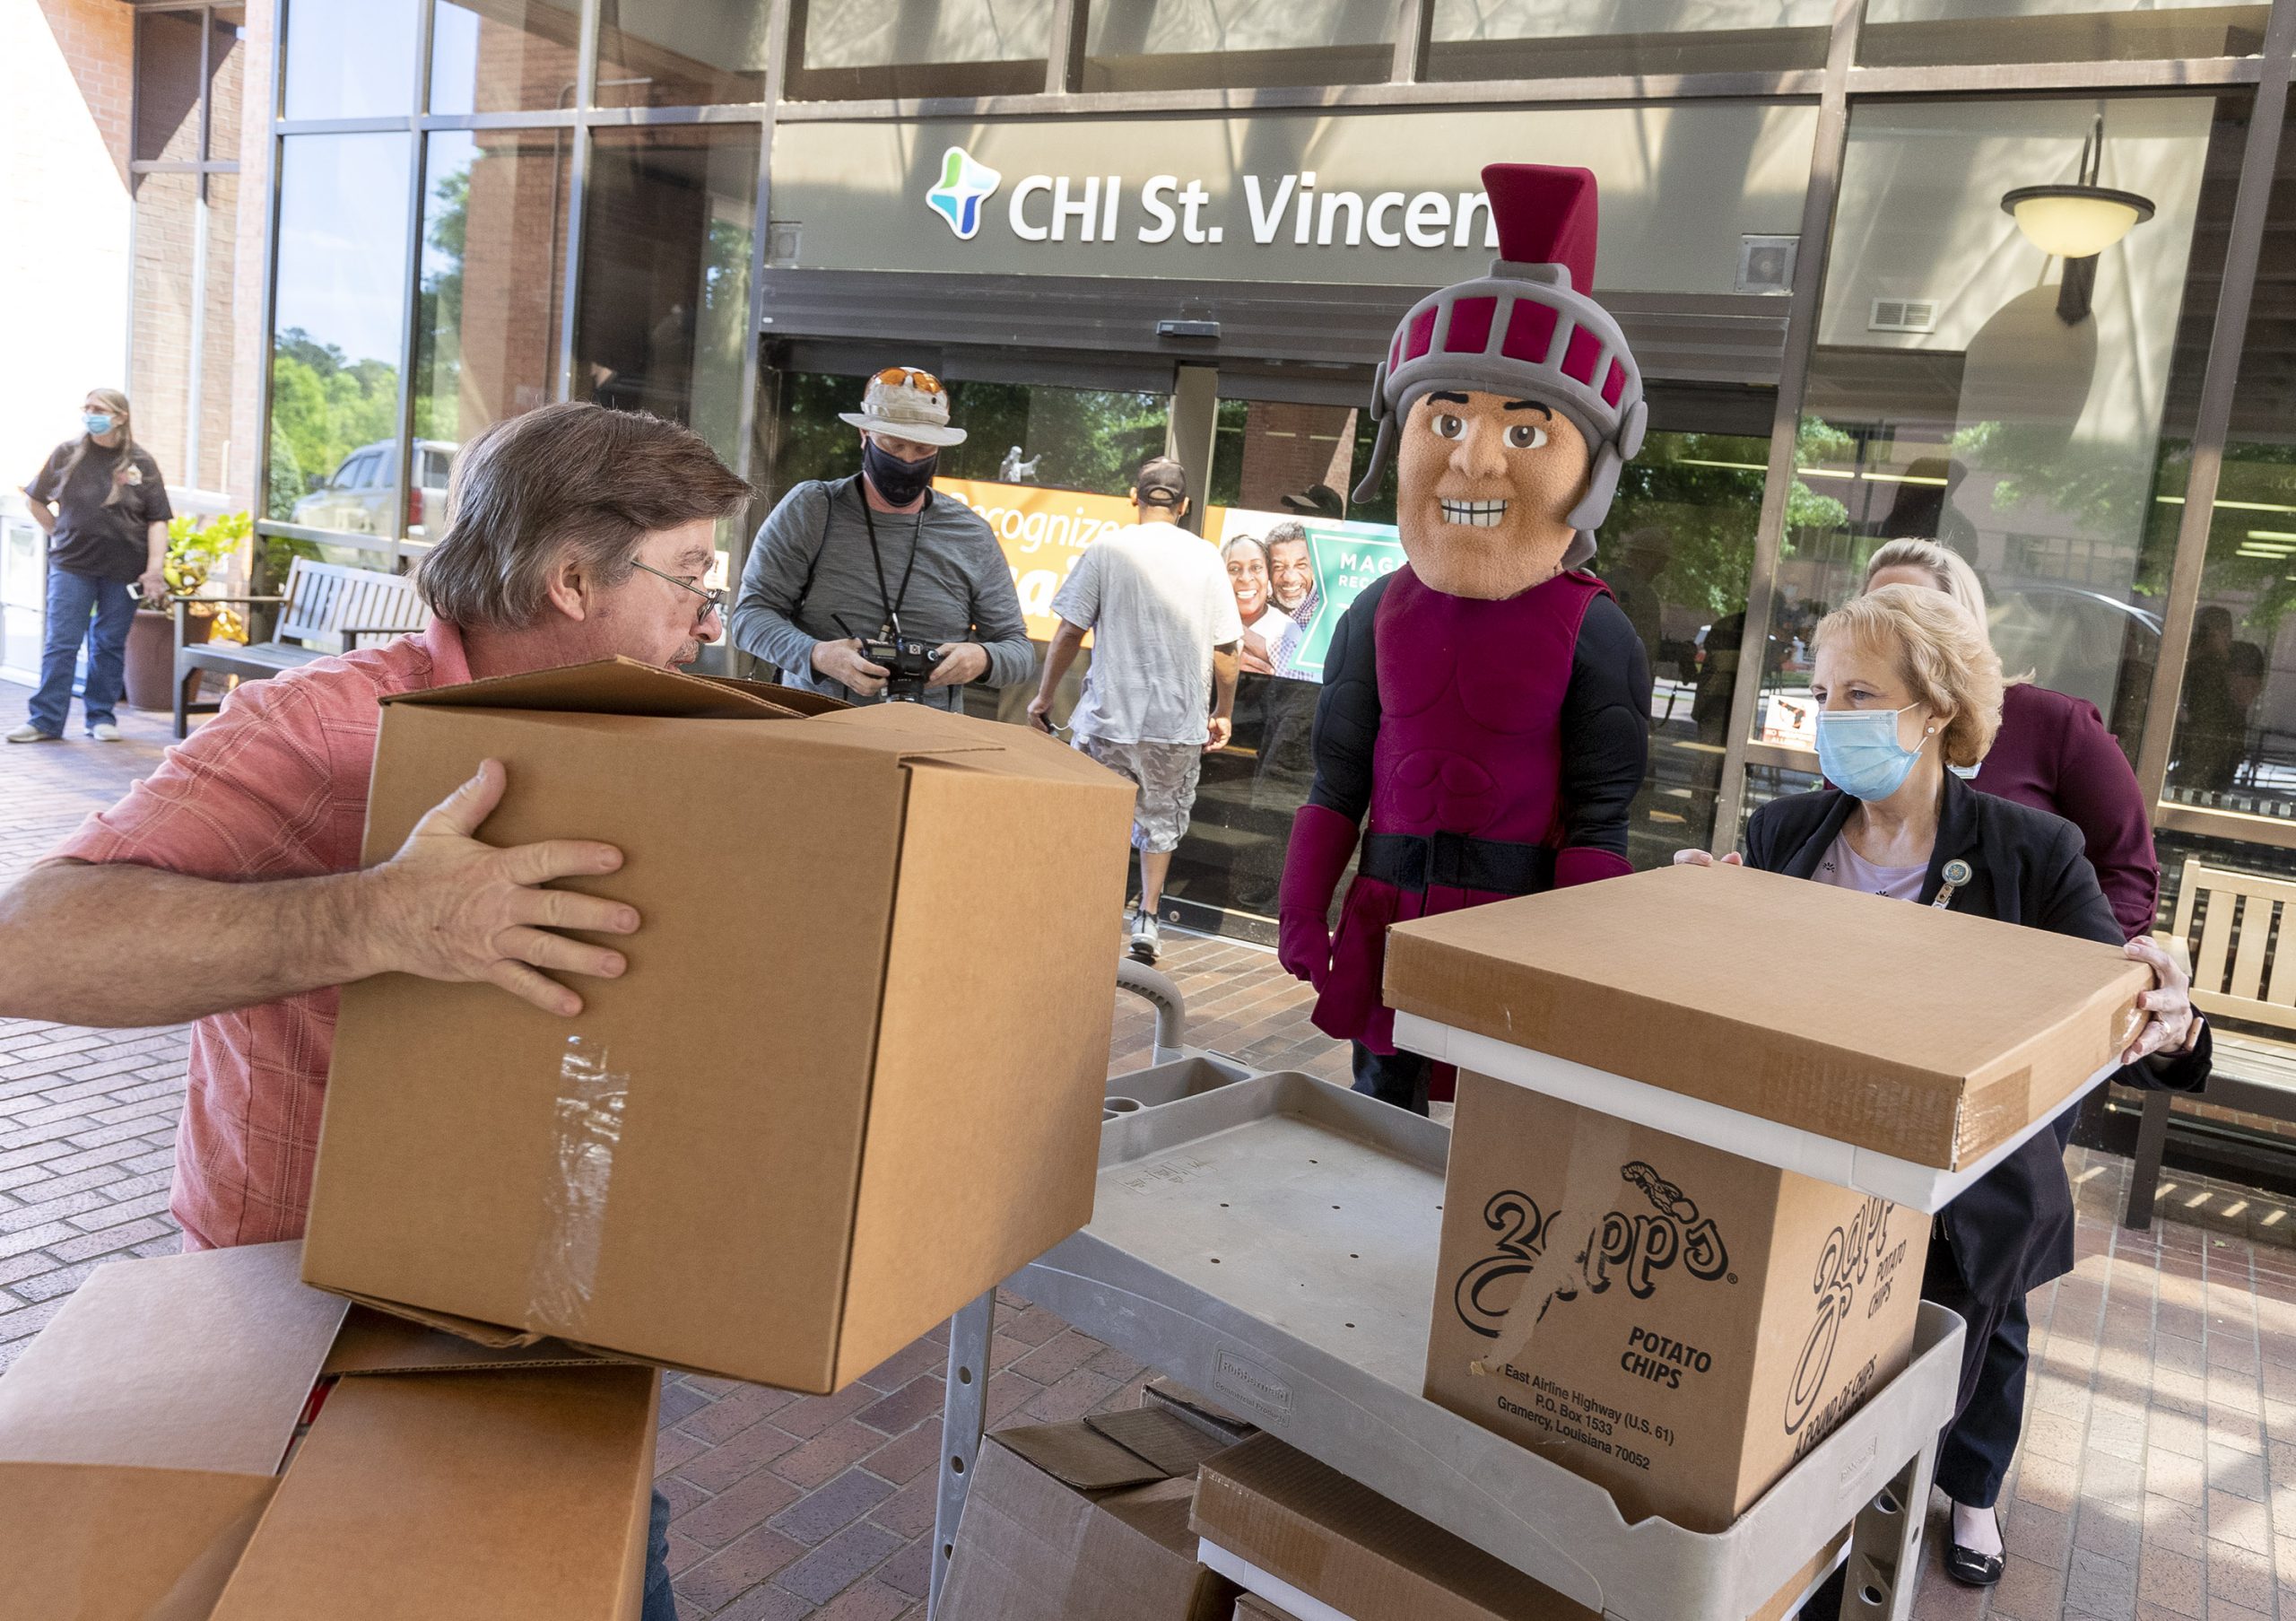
(851, 1079)
(1090, 1518)
(1304, 1537)
(159, 1462)
(1677, 1322)
(1308, 1544)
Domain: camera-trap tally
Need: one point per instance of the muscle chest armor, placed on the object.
(1471, 708)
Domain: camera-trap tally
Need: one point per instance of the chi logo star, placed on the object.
(966, 183)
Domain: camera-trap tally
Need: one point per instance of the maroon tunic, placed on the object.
(2054, 753)
(1520, 722)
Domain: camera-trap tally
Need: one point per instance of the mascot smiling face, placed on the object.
(1511, 402)
(1488, 484)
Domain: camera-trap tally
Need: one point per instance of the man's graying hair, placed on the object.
(568, 482)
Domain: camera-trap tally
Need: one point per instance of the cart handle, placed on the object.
(1171, 1009)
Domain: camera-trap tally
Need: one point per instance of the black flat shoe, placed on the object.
(1965, 1566)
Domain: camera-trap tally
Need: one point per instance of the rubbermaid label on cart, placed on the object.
(1858, 1463)
(1179, 1168)
(1254, 1383)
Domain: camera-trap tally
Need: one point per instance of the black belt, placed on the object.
(1456, 861)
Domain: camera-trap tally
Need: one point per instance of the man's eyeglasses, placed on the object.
(715, 596)
(893, 377)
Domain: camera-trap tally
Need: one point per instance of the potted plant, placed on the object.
(196, 548)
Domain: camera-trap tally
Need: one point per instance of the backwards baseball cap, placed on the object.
(1162, 482)
(1528, 330)
(905, 403)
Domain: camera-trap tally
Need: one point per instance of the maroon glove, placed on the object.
(1322, 840)
(1580, 865)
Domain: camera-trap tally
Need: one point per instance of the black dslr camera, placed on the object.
(908, 664)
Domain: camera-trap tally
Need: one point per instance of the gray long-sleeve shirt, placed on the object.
(961, 590)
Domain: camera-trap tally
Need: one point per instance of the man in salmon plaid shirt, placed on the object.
(226, 887)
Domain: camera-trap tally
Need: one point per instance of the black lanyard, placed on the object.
(916, 537)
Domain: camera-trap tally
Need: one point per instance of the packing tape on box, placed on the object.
(585, 1130)
(1590, 1186)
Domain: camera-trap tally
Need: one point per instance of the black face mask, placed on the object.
(899, 482)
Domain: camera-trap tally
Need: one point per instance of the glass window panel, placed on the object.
(167, 85)
(486, 321)
(226, 82)
(1921, 33)
(1962, 390)
(1562, 38)
(1677, 552)
(1178, 44)
(890, 47)
(681, 53)
(167, 233)
(213, 397)
(664, 315)
(350, 59)
(2236, 730)
(503, 55)
(338, 301)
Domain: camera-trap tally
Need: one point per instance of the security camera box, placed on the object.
(1087, 1519)
(1674, 1323)
(1928, 1036)
(204, 1436)
(852, 1077)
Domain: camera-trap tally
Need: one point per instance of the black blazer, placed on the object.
(2012, 1230)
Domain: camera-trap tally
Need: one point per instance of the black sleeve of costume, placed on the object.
(1347, 712)
(1605, 729)
(2075, 904)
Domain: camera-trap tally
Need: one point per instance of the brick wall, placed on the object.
(64, 269)
(1289, 446)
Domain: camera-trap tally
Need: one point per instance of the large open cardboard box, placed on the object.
(1924, 1035)
(852, 1077)
(159, 1460)
(1085, 1518)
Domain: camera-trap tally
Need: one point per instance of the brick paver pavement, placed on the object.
(2157, 1480)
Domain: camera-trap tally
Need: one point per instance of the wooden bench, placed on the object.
(324, 610)
(2243, 966)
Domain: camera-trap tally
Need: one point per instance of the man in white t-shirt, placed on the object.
(1163, 686)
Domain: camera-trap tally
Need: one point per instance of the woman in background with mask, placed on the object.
(2053, 753)
(104, 508)
(1907, 685)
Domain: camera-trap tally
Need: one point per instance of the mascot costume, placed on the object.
(1487, 705)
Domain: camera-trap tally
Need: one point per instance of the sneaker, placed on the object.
(29, 733)
(104, 731)
(1143, 939)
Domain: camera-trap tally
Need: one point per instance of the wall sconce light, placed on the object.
(2076, 222)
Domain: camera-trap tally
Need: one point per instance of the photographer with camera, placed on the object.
(871, 587)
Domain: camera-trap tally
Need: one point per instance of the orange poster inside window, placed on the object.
(1043, 533)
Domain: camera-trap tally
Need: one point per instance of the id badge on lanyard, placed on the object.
(1956, 874)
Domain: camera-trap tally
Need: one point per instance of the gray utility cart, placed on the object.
(1270, 1239)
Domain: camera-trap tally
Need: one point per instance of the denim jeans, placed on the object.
(72, 599)
(660, 1604)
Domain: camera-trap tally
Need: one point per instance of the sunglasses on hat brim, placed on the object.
(894, 377)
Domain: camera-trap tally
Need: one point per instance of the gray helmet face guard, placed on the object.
(1521, 332)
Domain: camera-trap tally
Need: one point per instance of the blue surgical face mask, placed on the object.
(1859, 752)
(97, 421)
